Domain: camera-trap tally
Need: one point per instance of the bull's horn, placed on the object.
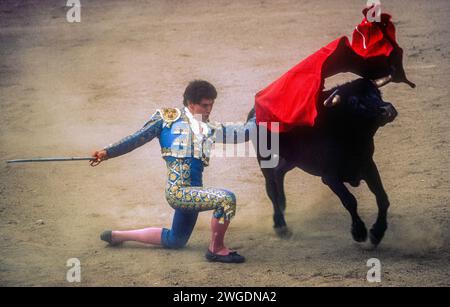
(333, 100)
(382, 81)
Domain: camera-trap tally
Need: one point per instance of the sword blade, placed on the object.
(50, 159)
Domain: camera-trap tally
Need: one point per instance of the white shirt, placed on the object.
(195, 125)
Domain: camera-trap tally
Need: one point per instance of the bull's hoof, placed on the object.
(283, 232)
(359, 232)
(376, 235)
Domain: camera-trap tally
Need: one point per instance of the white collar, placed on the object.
(196, 124)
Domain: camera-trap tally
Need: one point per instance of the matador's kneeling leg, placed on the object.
(177, 237)
(147, 235)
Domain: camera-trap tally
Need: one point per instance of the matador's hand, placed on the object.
(98, 156)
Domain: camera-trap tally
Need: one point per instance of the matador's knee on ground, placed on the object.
(174, 241)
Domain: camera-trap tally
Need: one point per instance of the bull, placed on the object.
(339, 148)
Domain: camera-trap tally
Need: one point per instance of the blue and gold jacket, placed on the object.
(174, 128)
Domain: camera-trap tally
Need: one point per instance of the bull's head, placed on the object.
(363, 97)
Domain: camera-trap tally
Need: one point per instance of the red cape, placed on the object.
(292, 99)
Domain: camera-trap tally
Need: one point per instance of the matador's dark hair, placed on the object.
(198, 90)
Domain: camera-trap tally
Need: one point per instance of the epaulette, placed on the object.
(170, 115)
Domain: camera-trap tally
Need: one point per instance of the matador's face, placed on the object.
(203, 108)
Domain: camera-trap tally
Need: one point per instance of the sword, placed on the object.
(51, 159)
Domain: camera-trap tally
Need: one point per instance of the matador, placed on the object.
(186, 143)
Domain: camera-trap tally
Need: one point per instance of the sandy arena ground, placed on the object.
(67, 89)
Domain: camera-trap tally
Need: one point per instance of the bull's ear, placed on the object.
(382, 81)
(333, 100)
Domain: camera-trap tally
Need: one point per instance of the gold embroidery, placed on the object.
(170, 114)
(180, 193)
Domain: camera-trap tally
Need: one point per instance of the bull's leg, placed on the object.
(282, 231)
(275, 191)
(376, 186)
(358, 230)
(281, 196)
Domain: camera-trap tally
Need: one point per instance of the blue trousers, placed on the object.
(182, 226)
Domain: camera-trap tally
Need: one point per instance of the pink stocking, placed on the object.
(217, 245)
(146, 235)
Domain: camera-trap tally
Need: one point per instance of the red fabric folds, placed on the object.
(371, 39)
(292, 99)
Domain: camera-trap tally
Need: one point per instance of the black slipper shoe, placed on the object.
(232, 257)
(107, 237)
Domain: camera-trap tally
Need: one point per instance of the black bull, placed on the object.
(339, 149)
